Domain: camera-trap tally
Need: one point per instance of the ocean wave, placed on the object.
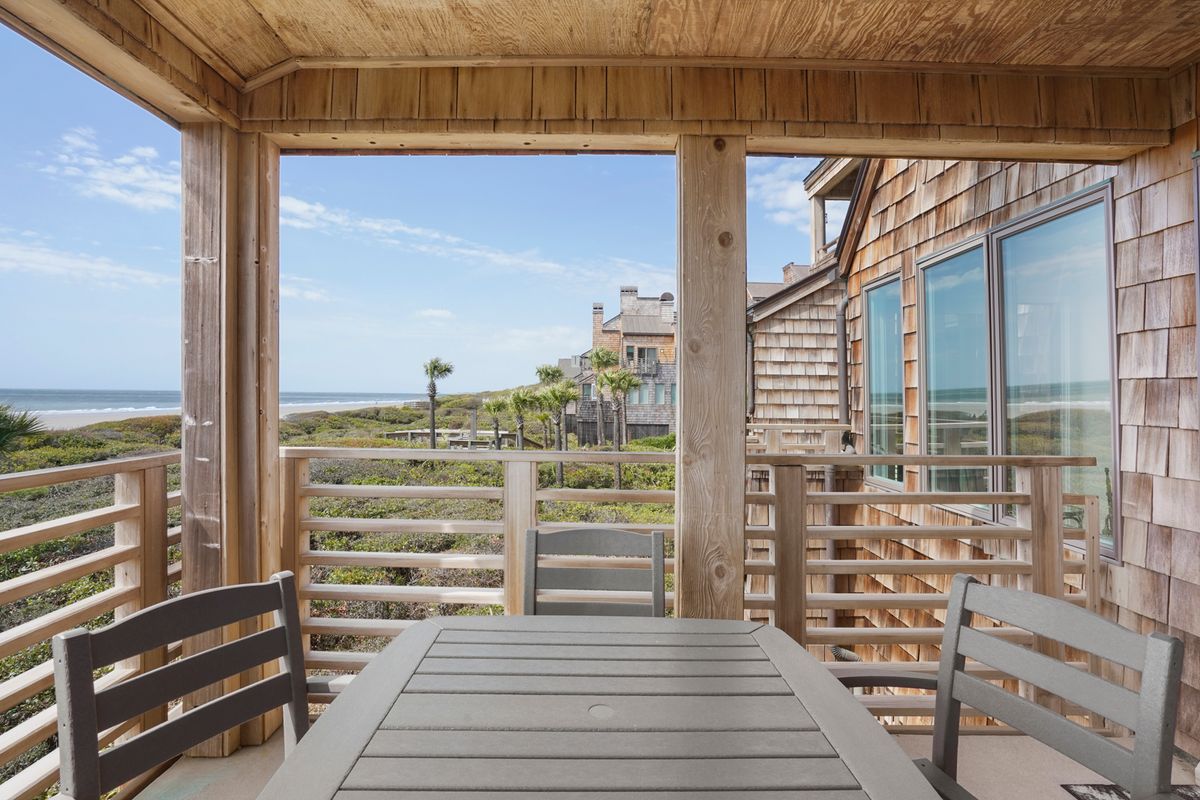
(121, 410)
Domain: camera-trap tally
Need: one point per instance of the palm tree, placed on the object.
(494, 407)
(435, 370)
(545, 420)
(519, 402)
(621, 382)
(561, 395)
(602, 360)
(16, 425)
(549, 373)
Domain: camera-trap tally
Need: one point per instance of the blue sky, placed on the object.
(490, 262)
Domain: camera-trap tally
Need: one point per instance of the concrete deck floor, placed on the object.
(993, 767)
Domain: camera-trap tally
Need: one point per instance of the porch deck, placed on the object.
(986, 766)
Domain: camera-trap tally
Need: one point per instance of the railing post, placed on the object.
(791, 535)
(294, 474)
(1044, 551)
(154, 567)
(1043, 516)
(520, 514)
(129, 489)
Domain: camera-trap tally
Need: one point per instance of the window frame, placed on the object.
(869, 477)
(991, 239)
(980, 242)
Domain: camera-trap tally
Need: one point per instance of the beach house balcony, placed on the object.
(793, 531)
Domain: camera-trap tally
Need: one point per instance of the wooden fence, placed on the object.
(817, 560)
(142, 574)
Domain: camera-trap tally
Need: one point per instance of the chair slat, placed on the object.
(1095, 752)
(1073, 685)
(577, 608)
(1074, 627)
(143, 692)
(128, 760)
(617, 580)
(86, 774)
(180, 618)
(594, 542)
(598, 543)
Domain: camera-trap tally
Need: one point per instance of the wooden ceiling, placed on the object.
(253, 37)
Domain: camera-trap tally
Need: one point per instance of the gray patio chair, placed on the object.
(599, 579)
(86, 773)
(1145, 771)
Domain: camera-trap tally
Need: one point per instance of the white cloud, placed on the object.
(602, 271)
(778, 186)
(138, 178)
(294, 287)
(436, 313)
(38, 259)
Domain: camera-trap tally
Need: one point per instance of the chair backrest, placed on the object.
(595, 565)
(1144, 771)
(86, 773)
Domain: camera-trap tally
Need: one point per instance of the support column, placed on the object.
(231, 525)
(711, 354)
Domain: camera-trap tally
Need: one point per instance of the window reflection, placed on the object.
(885, 378)
(956, 367)
(1057, 363)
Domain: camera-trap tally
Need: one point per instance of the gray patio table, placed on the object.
(609, 708)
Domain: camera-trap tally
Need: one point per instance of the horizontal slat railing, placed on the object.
(124, 550)
(343, 531)
(873, 575)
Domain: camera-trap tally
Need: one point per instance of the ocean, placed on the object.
(48, 402)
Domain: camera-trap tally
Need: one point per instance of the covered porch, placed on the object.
(759, 532)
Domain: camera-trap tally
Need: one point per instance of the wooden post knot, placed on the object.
(725, 239)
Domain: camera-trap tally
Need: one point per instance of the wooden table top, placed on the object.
(570, 708)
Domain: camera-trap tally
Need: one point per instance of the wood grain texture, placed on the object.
(711, 455)
(448, 725)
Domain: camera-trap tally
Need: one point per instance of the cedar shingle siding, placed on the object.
(922, 207)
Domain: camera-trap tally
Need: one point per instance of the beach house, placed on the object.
(1019, 259)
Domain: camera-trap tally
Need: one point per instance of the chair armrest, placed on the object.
(898, 680)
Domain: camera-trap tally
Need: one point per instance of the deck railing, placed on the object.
(829, 559)
(130, 561)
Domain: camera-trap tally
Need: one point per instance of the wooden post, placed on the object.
(294, 508)
(154, 567)
(711, 356)
(1044, 517)
(129, 489)
(520, 514)
(230, 367)
(791, 544)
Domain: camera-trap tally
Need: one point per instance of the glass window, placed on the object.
(674, 395)
(660, 393)
(885, 378)
(1057, 361)
(648, 355)
(586, 393)
(629, 351)
(956, 367)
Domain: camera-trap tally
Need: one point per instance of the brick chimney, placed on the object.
(597, 323)
(793, 272)
(629, 299)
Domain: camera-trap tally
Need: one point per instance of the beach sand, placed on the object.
(61, 421)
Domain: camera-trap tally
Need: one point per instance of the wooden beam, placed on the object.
(710, 455)
(122, 46)
(209, 469)
(230, 473)
(640, 108)
(257, 384)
